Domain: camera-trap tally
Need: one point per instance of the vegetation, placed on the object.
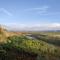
(29, 46)
(21, 43)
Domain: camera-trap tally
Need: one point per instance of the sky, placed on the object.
(31, 14)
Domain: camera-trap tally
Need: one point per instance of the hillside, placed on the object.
(21, 47)
(28, 45)
(4, 33)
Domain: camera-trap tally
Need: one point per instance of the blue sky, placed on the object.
(29, 12)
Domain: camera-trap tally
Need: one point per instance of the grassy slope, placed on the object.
(32, 46)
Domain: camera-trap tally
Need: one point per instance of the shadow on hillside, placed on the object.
(50, 40)
(14, 54)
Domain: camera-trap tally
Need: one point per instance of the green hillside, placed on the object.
(41, 49)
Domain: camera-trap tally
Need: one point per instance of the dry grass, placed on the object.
(4, 34)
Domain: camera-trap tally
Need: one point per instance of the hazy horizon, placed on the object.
(44, 27)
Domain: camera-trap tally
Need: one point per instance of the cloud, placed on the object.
(35, 27)
(5, 11)
(40, 10)
(50, 13)
(43, 10)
